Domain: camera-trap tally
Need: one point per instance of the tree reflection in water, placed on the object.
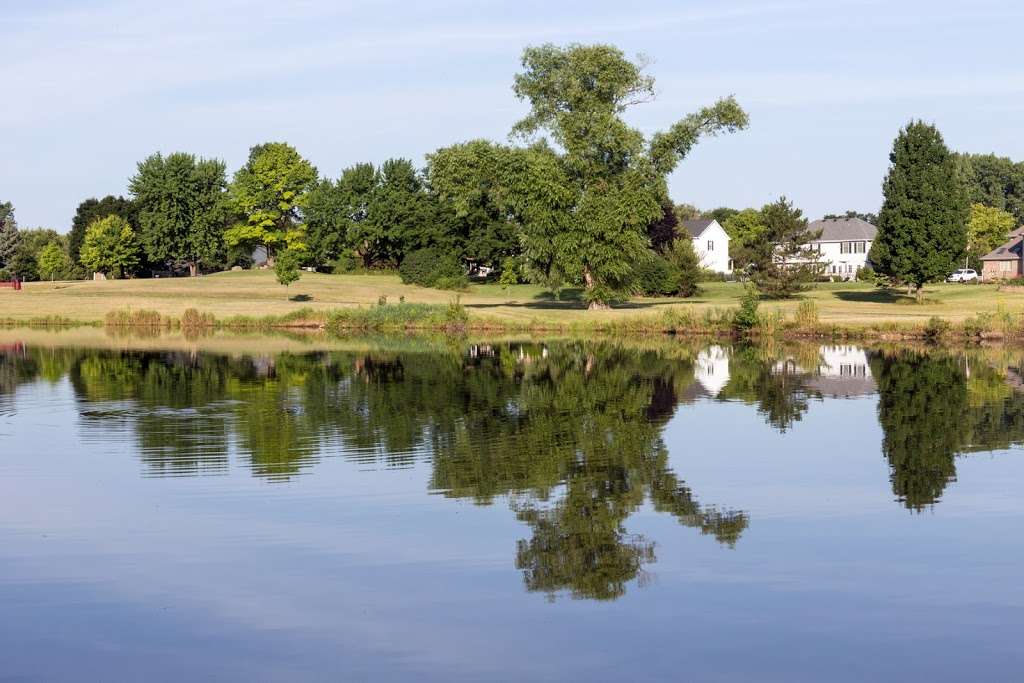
(570, 433)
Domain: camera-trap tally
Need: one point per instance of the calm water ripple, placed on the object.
(514, 511)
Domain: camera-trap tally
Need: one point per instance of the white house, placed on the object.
(843, 246)
(711, 242)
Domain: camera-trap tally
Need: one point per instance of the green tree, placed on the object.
(994, 181)
(686, 260)
(52, 262)
(469, 180)
(922, 228)
(270, 191)
(615, 179)
(687, 212)
(286, 268)
(401, 217)
(782, 262)
(111, 247)
(721, 214)
(24, 262)
(987, 229)
(93, 209)
(745, 229)
(9, 236)
(182, 208)
(871, 218)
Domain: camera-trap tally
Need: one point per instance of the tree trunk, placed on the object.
(193, 269)
(588, 279)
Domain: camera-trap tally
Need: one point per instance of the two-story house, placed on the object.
(842, 249)
(711, 242)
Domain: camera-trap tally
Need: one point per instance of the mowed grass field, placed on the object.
(256, 293)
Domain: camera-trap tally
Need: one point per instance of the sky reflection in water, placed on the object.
(511, 511)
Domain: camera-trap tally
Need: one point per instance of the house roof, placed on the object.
(1009, 250)
(843, 229)
(697, 226)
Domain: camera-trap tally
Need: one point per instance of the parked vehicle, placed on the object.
(963, 275)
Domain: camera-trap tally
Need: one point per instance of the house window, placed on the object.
(844, 247)
(860, 247)
(711, 245)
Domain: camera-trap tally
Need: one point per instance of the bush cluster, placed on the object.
(656, 276)
(433, 268)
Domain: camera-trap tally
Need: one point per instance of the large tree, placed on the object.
(269, 192)
(469, 180)
(616, 178)
(783, 263)
(332, 210)
(182, 208)
(9, 236)
(994, 181)
(93, 209)
(922, 227)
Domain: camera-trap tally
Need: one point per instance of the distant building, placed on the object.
(711, 242)
(1005, 261)
(843, 246)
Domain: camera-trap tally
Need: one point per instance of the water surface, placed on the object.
(511, 511)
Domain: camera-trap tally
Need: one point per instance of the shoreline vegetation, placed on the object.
(827, 312)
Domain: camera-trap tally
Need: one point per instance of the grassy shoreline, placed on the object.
(379, 302)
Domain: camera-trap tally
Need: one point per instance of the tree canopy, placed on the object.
(987, 229)
(613, 177)
(922, 227)
(783, 263)
(93, 209)
(111, 247)
(182, 208)
(269, 192)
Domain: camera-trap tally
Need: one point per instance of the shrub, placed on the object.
(655, 276)
(936, 328)
(192, 319)
(286, 267)
(746, 316)
(457, 283)
(682, 255)
(424, 267)
(511, 273)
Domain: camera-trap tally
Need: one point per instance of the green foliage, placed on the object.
(25, 261)
(871, 218)
(182, 208)
(286, 267)
(470, 182)
(937, 328)
(721, 214)
(746, 317)
(426, 267)
(655, 275)
(746, 229)
(9, 237)
(922, 228)
(52, 262)
(511, 273)
(612, 180)
(91, 210)
(686, 260)
(270, 191)
(782, 263)
(111, 247)
(994, 181)
(987, 229)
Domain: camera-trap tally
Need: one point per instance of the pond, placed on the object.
(509, 510)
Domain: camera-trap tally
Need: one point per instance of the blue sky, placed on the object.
(90, 88)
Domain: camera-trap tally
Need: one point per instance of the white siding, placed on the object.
(839, 264)
(712, 247)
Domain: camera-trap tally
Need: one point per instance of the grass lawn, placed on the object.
(256, 293)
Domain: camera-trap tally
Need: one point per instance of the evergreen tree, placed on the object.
(922, 227)
(783, 263)
(9, 237)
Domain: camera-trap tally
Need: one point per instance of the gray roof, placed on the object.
(843, 230)
(1009, 250)
(697, 226)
